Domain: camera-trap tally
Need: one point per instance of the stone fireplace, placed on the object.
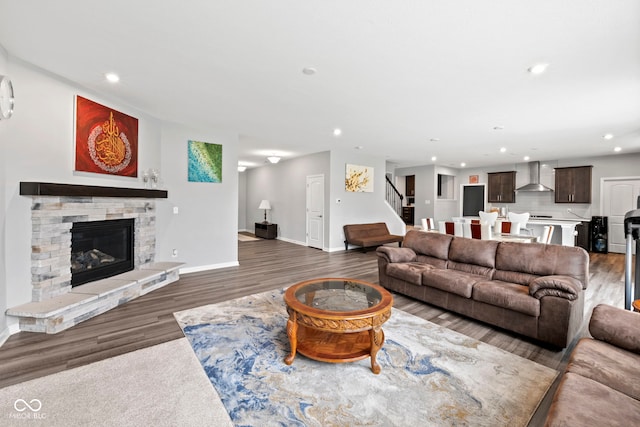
(57, 210)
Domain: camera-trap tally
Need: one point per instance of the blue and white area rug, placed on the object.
(430, 375)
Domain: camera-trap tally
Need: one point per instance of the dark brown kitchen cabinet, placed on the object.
(573, 184)
(408, 214)
(410, 185)
(502, 187)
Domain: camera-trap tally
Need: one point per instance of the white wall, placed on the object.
(242, 202)
(4, 124)
(356, 208)
(204, 232)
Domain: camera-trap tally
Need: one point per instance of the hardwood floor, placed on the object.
(265, 265)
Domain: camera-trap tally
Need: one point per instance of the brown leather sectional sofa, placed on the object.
(600, 386)
(532, 289)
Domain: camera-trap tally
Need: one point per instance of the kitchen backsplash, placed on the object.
(543, 204)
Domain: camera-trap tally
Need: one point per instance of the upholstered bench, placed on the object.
(368, 235)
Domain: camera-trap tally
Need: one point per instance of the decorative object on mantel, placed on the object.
(106, 140)
(266, 206)
(59, 190)
(205, 162)
(151, 178)
(359, 179)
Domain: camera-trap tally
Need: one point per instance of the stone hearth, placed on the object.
(55, 305)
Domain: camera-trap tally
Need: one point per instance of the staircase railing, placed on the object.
(393, 196)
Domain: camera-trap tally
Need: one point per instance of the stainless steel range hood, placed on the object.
(534, 179)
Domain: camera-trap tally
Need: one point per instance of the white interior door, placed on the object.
(315, 211)
(619, 196)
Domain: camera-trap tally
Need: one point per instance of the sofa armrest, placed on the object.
(616, 326)
(392, 254)
(557, 286)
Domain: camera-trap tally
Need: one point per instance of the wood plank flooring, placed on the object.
(265, 265)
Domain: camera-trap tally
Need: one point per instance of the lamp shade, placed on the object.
(264, 205)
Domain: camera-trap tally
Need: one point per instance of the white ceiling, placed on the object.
(393, 75)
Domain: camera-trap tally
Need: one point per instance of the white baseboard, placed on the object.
(200, 268)
(296, 242)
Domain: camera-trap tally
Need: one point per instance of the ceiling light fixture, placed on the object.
(434, 158)
(273, 159)
(608, 136)
(112, 77)
(337, 132)
(538, 68)
(242, 168)
(463, 164)
(309, 71)
(503, 150)
(617, 149)
(526, 158)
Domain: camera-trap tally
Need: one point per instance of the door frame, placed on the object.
(307, 179)
(604, 180)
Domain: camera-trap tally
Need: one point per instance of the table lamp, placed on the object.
(266, 206)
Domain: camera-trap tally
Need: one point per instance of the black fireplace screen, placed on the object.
(101, 249)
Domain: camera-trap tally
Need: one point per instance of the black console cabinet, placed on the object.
(266, 231)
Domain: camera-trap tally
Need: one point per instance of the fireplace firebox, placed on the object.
(101, 249)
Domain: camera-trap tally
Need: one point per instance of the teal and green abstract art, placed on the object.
(205, 162)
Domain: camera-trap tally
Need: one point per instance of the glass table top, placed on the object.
(338, 295)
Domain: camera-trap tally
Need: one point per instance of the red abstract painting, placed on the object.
(106, 140)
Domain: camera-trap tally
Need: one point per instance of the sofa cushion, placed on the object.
(396, 254)
(557, 286)
(544, 260)
(478, 270)
(514, 276)
(453, 281)
(435, 245)
(616, 326)
(474, 251)
(507, 295)
(606, 364)
(436, 262)
(581, 401)
(408, 271)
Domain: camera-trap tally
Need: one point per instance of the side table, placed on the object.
(266, 231)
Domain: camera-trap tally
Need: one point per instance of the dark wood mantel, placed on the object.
(53, 189)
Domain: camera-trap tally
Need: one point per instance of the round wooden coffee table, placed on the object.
(337, 320)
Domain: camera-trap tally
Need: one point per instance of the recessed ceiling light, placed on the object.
(337, 132)
(463, 164)
(242, 168)
(273, 159)
(617, 149)
(538, 68)
(309, 71)
(526, 158)
(503, 150)
(608, 136)
(434, 158)
(112, 77)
